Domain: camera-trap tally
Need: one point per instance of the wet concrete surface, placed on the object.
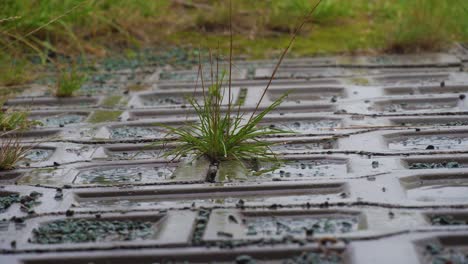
(374, 168)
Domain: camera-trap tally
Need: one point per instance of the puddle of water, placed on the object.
(310, 168)
(299, 225)
(37, 155)
(46, 176)
(430, 143)
(124, 175)
(318, 145)
(60, 120)
(440, 193)
(137, 132)
(304, 126)
(84, 230)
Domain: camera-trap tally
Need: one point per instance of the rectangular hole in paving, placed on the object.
(426, 90)
(313, 167)
(443, 249)
(44, 176)
(151, 114)
(430, 121)
(59, 119)
(305, 94)
(107, 229)
(435, 163)
(428, 141)
(300, 72)
(306, 108)
(444, 89)
(445, 188)
(9, 175)
(48, 133)
(400, 90)
(265, 194)
(138, 131)
(7, 199)
(36, 154)
(414, 78)
(138, 152)
(52, 102)
(115, 174)
(302, 125)
(447, 218)
(305, 145)
(193, 75)
(170, 99)
(282, 223)
(282, 255)
(254, 83)
(183, 75)
(398, 105)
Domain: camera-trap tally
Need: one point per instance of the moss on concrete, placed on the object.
(101, 116)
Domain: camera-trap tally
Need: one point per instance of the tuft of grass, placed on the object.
(226, 133)
(17, 120)
(68, 82)
(223, 135)
(427, 25)
(12, 152)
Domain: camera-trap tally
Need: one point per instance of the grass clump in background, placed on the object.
(12, 152)
(68, 82)
(17, 120)
(427, 25)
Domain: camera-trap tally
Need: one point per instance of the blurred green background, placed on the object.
(34, 32)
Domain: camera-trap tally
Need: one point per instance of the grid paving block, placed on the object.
(53, 102)
(268, 254)
(350, 223)
(101, 231)
(374, 168)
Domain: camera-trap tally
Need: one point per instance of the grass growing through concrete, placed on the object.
(69, 82)
(11, 152)
(224, 135)
(17, 120)
(100, 116)
(112, 101)
(224, 132)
